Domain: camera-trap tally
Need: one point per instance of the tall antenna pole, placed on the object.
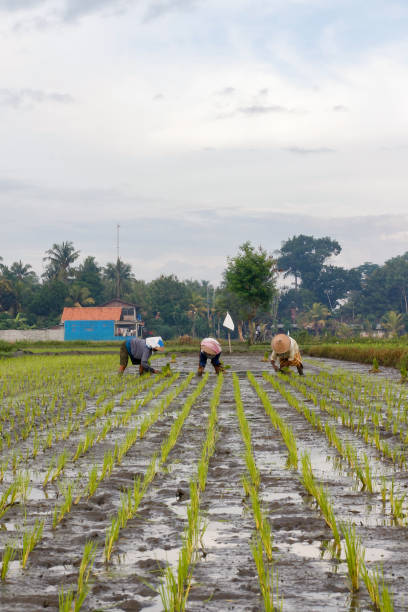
(117, 263)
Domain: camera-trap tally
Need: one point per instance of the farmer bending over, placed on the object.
(210, 349)
(286, 349)
(139, 351)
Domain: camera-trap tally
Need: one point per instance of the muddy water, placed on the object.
(225, 575)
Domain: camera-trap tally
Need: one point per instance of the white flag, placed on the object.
(228, 322)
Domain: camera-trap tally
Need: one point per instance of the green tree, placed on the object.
(48, 302)
(8, 297)
(118, 277)
(394, 323)
(251, 275)
(79, 296)
(168, 305)
(315, 318)
(89, 275)
(60, 259)
(304, 256)
(196, 309)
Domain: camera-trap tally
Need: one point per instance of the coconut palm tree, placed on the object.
(80, 296)
(22, 272)
(393, 322)
(60, 258)
(196, 308)
(119, 276)
(315, 318)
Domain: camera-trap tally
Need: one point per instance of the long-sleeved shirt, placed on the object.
(139, 352)
(290, 354)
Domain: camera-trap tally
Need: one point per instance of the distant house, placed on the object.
(111, 321)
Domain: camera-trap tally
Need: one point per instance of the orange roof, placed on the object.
(91, 313)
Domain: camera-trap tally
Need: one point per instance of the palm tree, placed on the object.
(315, 318)
(118, 275)
(22, 272)
(60, 257)
(393, 322)
(80, 296)
(196, 308)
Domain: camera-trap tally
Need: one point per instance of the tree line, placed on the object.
(313, 293)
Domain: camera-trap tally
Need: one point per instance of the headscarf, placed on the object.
(210, 346)
(156, 342)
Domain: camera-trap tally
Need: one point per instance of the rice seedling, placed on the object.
(70, 601)
(320, 495)
(64, 507)
(8, 556)
(278, 423)
(355, 554)
(60, 464)
(377, 589)
(30, 539)
(178, 423)
(374, 369)
(85, 568)
(268, 579)
(93, 480)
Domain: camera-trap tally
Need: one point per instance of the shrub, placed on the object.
(6, 347)
(186, 339)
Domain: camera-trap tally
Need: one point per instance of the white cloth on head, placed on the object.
(155, 342)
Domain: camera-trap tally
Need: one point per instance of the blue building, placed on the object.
(111, 321)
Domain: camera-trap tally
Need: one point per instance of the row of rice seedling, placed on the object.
(346, 451)
(90, 438)
(95, 476)
(176, 584)
(278, 423)
(353, 550)
(51, 438)
(365, 410)
(262, 543)
(370, 437)
(47, 411)
(131, 498)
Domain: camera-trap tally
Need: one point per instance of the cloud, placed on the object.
(75, 9)
(158, 8)
(19, 5)
(226, 91)
(257, 109)
(27, 98)
(305, 151)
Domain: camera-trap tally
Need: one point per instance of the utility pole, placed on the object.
(117, 263)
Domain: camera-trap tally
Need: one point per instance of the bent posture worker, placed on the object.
(139, 352)
(210, 349)
(287, 351)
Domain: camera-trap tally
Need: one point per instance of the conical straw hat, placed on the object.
(281, 343)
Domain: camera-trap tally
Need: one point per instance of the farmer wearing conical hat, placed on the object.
(139, 352)
(210, 349)
(287, 351)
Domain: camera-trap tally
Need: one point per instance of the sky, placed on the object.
(196, 125)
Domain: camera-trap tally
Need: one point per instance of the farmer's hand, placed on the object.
(275, 367)
(155, 371)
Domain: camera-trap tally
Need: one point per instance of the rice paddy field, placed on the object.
(247, 491)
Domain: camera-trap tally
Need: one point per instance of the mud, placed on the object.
(225, 576)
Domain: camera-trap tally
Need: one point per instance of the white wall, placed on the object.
(35, 335)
